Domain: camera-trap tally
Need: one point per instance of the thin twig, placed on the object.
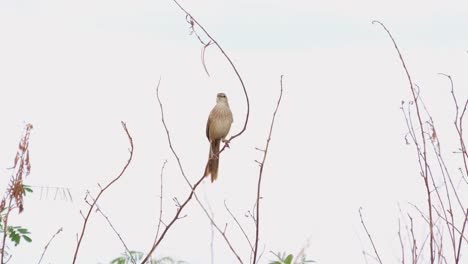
(462, 236)
(458, 122)
(402, 246)
(260, 174)
(98, 209)
(48, 243)
(370, 238)
(174, 219)
(424, 152)
(211, 230)
(460, 242)
(239, 225)
(85, 223)
(160, 201)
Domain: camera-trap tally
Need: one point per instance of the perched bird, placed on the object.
(217, 128)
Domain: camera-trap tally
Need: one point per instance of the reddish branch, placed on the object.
(47, 245)
(160, 201)
(93, 204)
(239, 225)
(15, 191)
(458, 122)
(370, 238)
(460, 241)
(423, 152)
(132, 259)
(193, 22)
(174, 219)
(187, 200)
(260, 174)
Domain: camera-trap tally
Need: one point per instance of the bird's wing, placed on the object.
(208, 127)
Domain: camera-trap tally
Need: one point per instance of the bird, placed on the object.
(217, 128)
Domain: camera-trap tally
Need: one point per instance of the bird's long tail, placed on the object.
(213, 160)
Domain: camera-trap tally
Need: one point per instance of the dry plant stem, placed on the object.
(445, 175)
(260, 174)
(160, 198)
(160, 201)
(450, 223)
(48, 243)
(239, 225)
(174, 219)
(402, 246)
(211, 231)
(370, 238)
(14, 193)
(460, 242)
(98, 209)
(92, 205)
(192, 192)
(221, 232)
(435, 224)
(414, 247)
(462, 236)
(462, 146)
(424, 151)
(5, 225)
(163, 121)
(458, 122)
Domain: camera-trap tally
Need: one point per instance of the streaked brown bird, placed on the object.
(217, 128)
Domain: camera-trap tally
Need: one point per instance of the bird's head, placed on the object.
(221, 97)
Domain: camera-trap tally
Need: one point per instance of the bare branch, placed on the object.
(262, 164)
(98, 209)
(160, 201)
(192, 21)
(370, 238)
(460, 242)
(424, 151)
(48, 243)
(239, 225)
(458, 122)
(192, 192)
(401, 243)
(86, 218)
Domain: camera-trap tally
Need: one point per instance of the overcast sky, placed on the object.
(76, 69)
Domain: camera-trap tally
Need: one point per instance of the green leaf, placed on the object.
(119, 260)
(288, 259)
(28, 239)
(27, 188)
(23, 230)
(15, 238)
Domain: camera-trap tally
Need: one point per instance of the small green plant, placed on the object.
(13, 197)
(282, 258)
(15, 233)
(127, 257)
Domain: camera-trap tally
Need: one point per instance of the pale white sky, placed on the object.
(76, 69)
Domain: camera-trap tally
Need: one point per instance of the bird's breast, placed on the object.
(221, 120)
